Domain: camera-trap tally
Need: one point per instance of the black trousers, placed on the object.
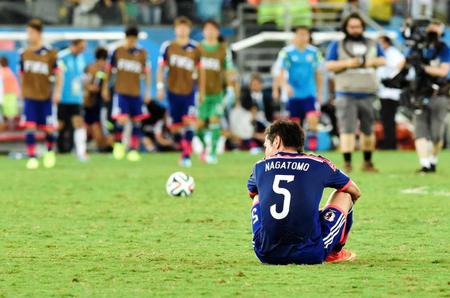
(388, 111)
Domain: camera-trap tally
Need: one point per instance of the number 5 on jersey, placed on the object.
(286, 196)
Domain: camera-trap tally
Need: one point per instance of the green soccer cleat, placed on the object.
(133, 155)
(49, 159)
(119, 151)
(32, 163)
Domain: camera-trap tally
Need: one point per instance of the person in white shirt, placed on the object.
(389, 97)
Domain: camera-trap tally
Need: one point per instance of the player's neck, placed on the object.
(288, 150)
(36, 46)
(182, 41)
(301, 47)
(211, 42)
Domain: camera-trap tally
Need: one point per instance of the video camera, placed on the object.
(417, 86)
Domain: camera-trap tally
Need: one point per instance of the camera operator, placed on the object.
(353, 60)
(430, 120)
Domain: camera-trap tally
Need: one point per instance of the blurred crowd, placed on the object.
(95, 13)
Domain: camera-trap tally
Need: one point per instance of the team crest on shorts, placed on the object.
(329, 216)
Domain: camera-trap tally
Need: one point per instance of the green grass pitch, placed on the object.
(108, 229)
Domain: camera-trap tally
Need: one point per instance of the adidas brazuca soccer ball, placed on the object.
(180, 184)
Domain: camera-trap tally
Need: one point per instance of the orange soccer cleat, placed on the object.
(341, 256)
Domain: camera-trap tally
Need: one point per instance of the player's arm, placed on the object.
(377, 61)
(353, 190)
(105, 86)
(148, 81)
(162, 65)
(21, 71)
(58, 71)
(319, 78)
(282, 81)
(251, 185)
(440, 71)
(335, 65)
(231, 76)
(336, 179)
(201, 83)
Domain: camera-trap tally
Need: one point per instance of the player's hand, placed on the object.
(93, 88)
(289, 91)
(353, 63)
(56, 98)
(319, 100)
(276, 93)
(105, 95)
(160, 94)
(147, 99)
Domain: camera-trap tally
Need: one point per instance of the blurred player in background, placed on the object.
(286, 188)
(216, 68)
(38, 63)
(353, 60)
(93, 99)
(300, 76)
(129, 63)
(181, 58)
(71, 125)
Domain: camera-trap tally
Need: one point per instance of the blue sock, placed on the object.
(50, 139)
(30, 140)
(189, 134)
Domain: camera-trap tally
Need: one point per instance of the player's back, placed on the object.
(290, 187)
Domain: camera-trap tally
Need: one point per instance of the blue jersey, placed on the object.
(73, 68)
(301, 67)
(290, 187)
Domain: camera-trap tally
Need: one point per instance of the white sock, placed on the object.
(425, 162)
(433, 159)
(80, 138)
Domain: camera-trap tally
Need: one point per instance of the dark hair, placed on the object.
(256, 77)
(77, 41)
(290, 132)
(386, 39)
(353, 15)
(101, 53)
(302, 27)
(182, 20)
(36, 25)
(3, 61)
(211, 22)
(132, 31)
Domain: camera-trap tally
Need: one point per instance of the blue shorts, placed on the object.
(39, 114)
(129, 106)
(92, 114)
(333, 234)
(181, 107)
(300, 108)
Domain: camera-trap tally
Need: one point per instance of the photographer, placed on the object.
(429, 120)
(353, 60)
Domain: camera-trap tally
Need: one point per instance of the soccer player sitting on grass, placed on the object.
(286, 188)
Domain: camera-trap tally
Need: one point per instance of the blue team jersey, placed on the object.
(301, 67)
(290, 187)
(72, 67)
